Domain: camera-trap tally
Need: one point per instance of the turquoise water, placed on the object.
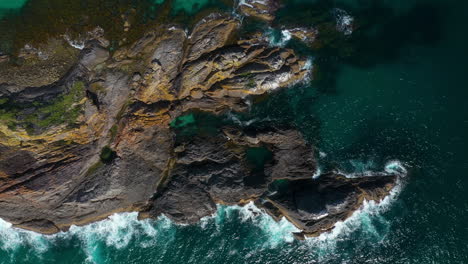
(399, 94)
(10, 5)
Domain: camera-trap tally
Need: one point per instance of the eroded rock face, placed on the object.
(116, 150)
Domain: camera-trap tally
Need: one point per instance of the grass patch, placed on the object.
(40, 115)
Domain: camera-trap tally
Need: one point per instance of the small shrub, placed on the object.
(107, 155)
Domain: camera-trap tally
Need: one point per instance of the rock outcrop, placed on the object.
(260, 9)
(97, 136)
(315, 205)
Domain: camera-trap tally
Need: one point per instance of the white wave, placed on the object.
(317, 173)
(12, 238)
(276, 233)
(77, 44)
(367, 168)
(308, 66)
(284, 38)
(395, 167)
(117, 231)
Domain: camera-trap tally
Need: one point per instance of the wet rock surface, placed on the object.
(122, 152)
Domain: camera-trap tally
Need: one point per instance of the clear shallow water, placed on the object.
(402, 96)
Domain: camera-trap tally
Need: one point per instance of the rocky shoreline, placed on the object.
(99, 132)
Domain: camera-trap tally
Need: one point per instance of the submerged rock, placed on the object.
(52, 173)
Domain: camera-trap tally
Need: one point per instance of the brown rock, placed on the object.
(260, 9)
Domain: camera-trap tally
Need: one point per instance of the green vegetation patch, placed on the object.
(65, 109)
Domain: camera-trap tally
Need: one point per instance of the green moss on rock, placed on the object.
(36, 116)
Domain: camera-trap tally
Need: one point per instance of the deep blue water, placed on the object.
(400, 95)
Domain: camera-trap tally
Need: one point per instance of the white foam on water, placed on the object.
(368, 168)
(12, 238)
(395, 167)
(317, 173)
(308, 66)
(275, 232)
(117, 231)
(285, 37)
(344, 22)
(77, 44)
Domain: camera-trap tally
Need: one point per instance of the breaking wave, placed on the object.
(278, 38)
